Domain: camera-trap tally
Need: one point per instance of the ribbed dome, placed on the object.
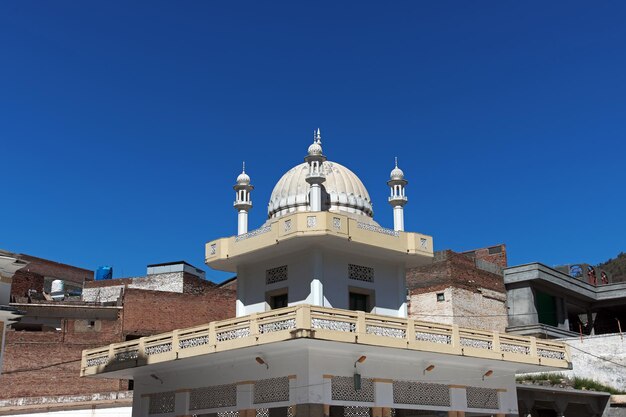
(396, 174)
(344, 192)
(243, 179)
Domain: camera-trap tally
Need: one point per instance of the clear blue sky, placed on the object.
(123, 125)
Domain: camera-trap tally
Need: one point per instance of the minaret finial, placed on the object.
(243, 168)
(318, 136)
(396, 162)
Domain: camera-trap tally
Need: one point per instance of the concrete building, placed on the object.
(321, 324)
(586, 313)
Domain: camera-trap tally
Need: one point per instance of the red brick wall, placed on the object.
(493, 254)
(24, 281)
(48, 363)
(194, 285)
(56, 269)
(32, 275)
(452, 269)
(151, 312)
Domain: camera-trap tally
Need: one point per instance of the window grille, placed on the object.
(276, 274)
(360, 273)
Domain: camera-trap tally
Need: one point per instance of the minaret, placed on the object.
(316, 176)
(242, 200)
(398, 198)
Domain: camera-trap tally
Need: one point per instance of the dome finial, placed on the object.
(316, 146)
(243, 167)
(396, 173)
(243, 178)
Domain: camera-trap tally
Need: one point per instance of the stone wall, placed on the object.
(472, 296)
(609, 347)
(178, 282)
(482, 309)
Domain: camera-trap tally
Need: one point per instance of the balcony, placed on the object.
(333, 230)
(323, 324)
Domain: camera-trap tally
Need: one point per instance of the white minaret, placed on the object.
(316, 176)
(242, 200)
(398, 198)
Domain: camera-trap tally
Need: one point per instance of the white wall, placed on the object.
(90, 412)
(310, 364)
(610, 347)
(317, 268)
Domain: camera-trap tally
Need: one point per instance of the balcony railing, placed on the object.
(305, 321)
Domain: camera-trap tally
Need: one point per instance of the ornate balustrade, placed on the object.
(305, 321)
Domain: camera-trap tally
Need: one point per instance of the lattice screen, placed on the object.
(482, 398)
(408, 392)
(233, 413)
(342, 388)
(354, 411)
(276, 274)
(162, 402)
(271, 390)
(213, 397)
(360, 273)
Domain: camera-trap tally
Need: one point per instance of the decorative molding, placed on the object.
(377, 229)
(386, 331)
(277, 326)
(259, 231)
(326, 324)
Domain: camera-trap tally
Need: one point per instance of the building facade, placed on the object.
(322, 326)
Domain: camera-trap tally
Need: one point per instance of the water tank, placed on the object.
(57, 290)
(104, 272)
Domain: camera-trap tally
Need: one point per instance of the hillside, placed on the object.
(616, 267)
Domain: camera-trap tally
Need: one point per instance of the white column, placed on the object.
(398, 218)
(315, 197)
(242, 222)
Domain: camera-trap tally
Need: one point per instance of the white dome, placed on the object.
(315, 149)
(243, 179)
(396, 174)
(345, 192)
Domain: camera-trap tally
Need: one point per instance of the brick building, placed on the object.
(42, 352)
(460, 288)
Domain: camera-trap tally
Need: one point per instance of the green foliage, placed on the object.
(616, 267)
(576, 382)
(591, 385)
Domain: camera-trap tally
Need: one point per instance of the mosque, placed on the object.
(321, 326)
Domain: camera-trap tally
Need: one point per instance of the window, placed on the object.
(441, 296)
(359, 302)
(279, 301)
